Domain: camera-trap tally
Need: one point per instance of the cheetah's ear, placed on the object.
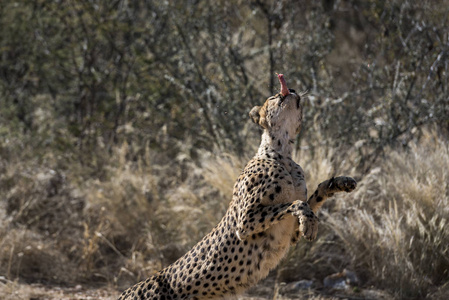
(254, 114)
(256, 117)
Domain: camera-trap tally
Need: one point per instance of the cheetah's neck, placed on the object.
(279, 142)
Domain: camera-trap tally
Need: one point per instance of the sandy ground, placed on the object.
(15, 291)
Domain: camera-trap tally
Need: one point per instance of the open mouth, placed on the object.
(284, 89)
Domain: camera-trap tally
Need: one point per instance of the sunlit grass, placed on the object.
(395, 225)
(142, 214)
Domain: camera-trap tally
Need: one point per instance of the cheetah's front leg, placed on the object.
(325, 190)
(260, 218)
(328, 188)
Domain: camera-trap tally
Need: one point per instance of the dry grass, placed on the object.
(395, 226)
(61, 225)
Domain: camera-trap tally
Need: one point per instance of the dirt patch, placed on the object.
(16, 291)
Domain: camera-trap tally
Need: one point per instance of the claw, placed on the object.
(238, 235)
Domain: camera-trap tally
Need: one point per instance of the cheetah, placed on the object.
(268, 213)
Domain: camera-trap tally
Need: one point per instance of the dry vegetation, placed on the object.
(395, 226)
(123, 125)
(393, 231)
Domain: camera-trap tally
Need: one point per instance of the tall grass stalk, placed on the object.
(395, 226)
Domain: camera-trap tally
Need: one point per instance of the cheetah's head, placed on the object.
(281, 112)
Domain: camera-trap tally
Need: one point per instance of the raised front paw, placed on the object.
(340, 184)
(308, 221)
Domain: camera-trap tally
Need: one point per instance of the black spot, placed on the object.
(278, 189)
(319, 199)
(271, 197)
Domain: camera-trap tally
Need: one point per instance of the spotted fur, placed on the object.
(268, 213)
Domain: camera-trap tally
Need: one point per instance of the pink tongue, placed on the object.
(284, 89)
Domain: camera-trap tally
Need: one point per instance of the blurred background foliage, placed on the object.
(116, 115)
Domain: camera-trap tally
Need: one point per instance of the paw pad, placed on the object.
(344, 183)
